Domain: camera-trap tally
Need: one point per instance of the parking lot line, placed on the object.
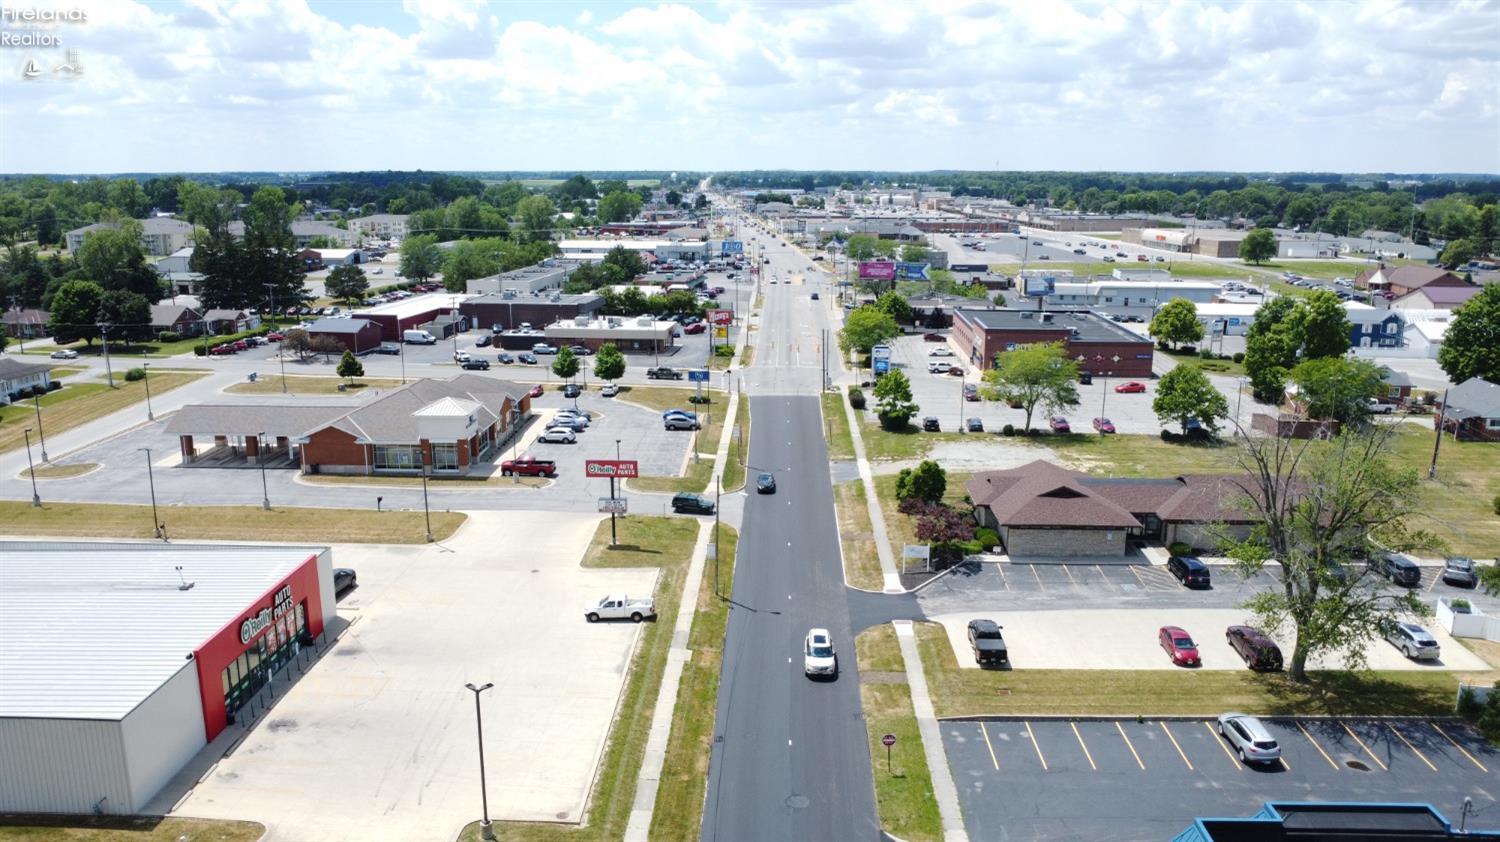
(1071, 580)
(1083, 746)
(989, 745)
(1227, 753)
(1180, 752)
(1316, 746)
(1131, 747)
(1037, 746)
(1285, 765)
(1435, 577)
(1137, 576)
(1036, 576)
(1102, 576)
(1003, 580)
(1457, 746)
(1413, 748)
(1362, 745)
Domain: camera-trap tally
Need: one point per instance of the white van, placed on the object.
(418, 337)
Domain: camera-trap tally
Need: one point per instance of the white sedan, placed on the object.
(65, 354)
(940, 352)
(558, 435)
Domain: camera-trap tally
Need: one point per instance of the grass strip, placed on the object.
(55, 471)
(54, 828)
(734, 465)
(307, 384)
(903, 784)
(836, 426)
(78, 404)
(857, 537)
(227, 523)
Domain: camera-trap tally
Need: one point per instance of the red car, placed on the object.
(1060, 424)
(1176, 643)
(1132, 386)
(275, 336)
(695, 327)
(933, 337)
(1104, 425)
(536, 391)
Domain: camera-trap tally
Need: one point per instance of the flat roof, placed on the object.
(414, 306)
(90, 630)
(563, 299)
(1091, 326)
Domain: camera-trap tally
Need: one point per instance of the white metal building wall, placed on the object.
(63, 766)
(162, 734)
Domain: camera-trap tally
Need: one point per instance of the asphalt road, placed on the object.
(790, 758)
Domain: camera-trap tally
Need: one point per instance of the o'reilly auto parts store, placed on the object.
(120, 662)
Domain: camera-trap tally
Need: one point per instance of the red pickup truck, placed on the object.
(528, 466)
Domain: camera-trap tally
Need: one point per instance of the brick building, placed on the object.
(1098, 345)
(511, 310)
(358, 335)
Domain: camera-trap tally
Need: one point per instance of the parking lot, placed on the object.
(1055, 779)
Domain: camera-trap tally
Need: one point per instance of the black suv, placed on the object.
(1398, 568)
(572, 390)
(1189, 571)
(474, 364)
(930, 424)
(692, 504)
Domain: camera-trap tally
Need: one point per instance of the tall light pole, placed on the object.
(104, 332)
(36, 402)
(146, 378)
(426, 510)
(271, 290)
(36, 499)
(260, 457)
(486, 830)
(157, 527)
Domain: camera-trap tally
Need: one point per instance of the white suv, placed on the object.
(1249, 737)
(818, 656)
(938, 367)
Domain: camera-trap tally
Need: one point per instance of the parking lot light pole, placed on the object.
(36, 402)
(426, 510)
(486, 830)
(1102, 398)
(146, 378)
(260, 457)
(36, 499)
(157, 527)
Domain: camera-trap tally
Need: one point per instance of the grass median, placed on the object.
(734, 465)
(836, 425)
(972, 692)
(857, 538)
(903, 785)
(305, 384)
(32, 828)
(684, 775)
(79, 403)
(56, 471)
(660, 542)
(227, 523)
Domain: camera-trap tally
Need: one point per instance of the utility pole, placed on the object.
(426, 510)
(104, 332)
(271, 289)
(146, 378)
(37, 404)
(36, 499)
(486, 830)
(1438, 442)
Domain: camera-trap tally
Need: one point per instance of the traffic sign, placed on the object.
(616, 468)
(697, 375)
(888, 740)
(612, 505)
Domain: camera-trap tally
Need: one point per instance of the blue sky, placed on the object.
(1163, 85)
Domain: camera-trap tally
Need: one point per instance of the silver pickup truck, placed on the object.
(619, 608)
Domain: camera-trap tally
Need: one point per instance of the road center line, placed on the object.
(1362, 745)
(1316, 746)
(1180, 752)
(1036, 746)
(1227, 753)
(989, 746)
(1128, 745)
(1083, 746)
(1413, 748)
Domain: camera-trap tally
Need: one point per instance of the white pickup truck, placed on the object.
(619, 608)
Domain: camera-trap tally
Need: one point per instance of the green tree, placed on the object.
(700, 203)
(298, 343)
(1258, 246)
(75, 312)
(420, 257)
(862, 246)
(268, 252)
(926, 482)
(673, 198)
(896, 307)
(1176, 323)
(23, 277)
(127, 313)
(347, 284)
(1271, 348)
(1321, 326)
(1315, 504)
(350, 367)
(1471, 347)
(566, 364)
(1036, 375)
(1461, 251)
(466, 260)
(534, 216)
(1337, 388)
(865, 328)
(609, 363)
(619, 206)
(623, 265)
(914, 253)
(113, 259)
(893, 403)
(1185, 393)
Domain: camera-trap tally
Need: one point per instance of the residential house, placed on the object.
(177, 268)
(1472, 411)
(1370, 327)
(17, 377)
(230, 321)
(26, 323)
(1435, 297)
(176, 318)
(1398, 385)
(1403, 280)
(358, 335)
(305, 231)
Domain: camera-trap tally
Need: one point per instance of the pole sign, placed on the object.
(697, 375)
(1039, 285)
(883, 270)
(732, 247)
(721, 317)
(916, 551)
(611, 468)
(882, 367)
(721, 332)
(880, 352)
(913, 271)
(888, 740)
(612, 506)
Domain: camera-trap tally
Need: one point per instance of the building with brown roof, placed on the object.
(1436, 297)
(1044, 510)
(1404, 280)
(26, 323)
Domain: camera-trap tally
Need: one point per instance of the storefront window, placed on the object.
(397, 457)
(445, 457)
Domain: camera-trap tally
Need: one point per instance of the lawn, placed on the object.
(56, 471)
(660, 542)
(836, 426)
(903, 789)
(718, 362)
(747, 356)
(971, 692)
(910, 443)
(80, 403)
(303, 384)
(433, 481)
(734, 465)
(228, 523)
(1458, 505)
(1228, 368)
(125, 829)
(861, 560)
(901, 528)
(1325, 270)
(684, 774)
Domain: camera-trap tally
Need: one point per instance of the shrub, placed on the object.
(1168, 435)
(723, 350)
(987, 537)
(1206, 354)
(1008, 430)
(1179, 548)
(1496, 504)
(857, 398)
(198, 350)
(1239, 356)
(894, 423)
(699, 399)
(1223, 356)
(167, 336)
(135, 374)
(1461, 606)
(54, 385)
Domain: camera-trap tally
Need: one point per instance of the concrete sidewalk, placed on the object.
(943, 788)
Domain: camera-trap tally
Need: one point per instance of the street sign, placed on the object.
(913, 271)
(917, 551)
(883, 270)
(607, 468)
(721, 332)
(732, 247)
(721, 317)
(888, 740)
(697, 375)
(612, 505)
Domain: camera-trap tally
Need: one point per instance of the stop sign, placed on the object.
(888, 740)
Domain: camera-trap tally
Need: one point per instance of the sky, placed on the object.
(1164, 85)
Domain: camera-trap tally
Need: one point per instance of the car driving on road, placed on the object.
(818, 656)
(765, 484)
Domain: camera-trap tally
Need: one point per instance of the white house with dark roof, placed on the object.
(17, 377)
(1472, 411)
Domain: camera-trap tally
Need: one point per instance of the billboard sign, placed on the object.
(913, 271)
(1039, 285)
(883, 270)
(970, 267)
(732, 247)
(720, 317)
(615, 468)
(880, 352)
(697, 375)
(612, 506)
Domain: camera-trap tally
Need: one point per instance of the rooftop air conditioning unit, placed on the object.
(556, 296)
(613, 321)
(507, 293)
(1047, 317)
(581, 321)
(1026, 314)
(643, 321)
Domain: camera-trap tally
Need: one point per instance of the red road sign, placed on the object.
(888, 740)
(721, 317)
(611, 468)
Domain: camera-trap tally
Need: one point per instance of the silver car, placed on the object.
(818, 657)
(1248, 736)
(558, 435)
(1414, 641)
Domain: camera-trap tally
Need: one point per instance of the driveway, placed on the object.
(377, 741)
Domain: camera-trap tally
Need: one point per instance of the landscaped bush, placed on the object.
(198, 350)
(987, 537)
(1008, 430)
(1486, 715)
(1223, 356)
(1239, 356)
(57, 384)
(856, 397)
(135, 374)
(699, 399)
(1179, 548)
(1206, 354)
(723, 350)
(167, 336)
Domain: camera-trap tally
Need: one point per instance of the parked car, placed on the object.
(473, 364)
(818, 655)
(609, 390)
(765, 484)
(461, 356)
(581, 350)
(344, 579)
(695, 328)
(678, 422)
(1259, 651)
(988, 643)
(663, 373)
(558, 435)
(934, 337)
(1103, 425)
(1179, 646)
(528, 466)
(536, 391)
(1059, 425)
(679, 412)
(543, 349)
(483, 341)
(686, 502)
(956, 371)
(64, 354)
(1379, 407)
(1248, 736)
(974, 425)
(275, 336)
(571, 423)
(572, 390)
(526, 359)
(505, 358)
(1415, 642)
(940, 352)
(621, 607)
(1460, 571)
(930, 424)
(1131, 387)
(1189, 571)
(971, 392)
(1398, 568)
(939, 367)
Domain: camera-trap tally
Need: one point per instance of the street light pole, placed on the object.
(146, 378)
(426, 511)
(158, 528)
(40, 434)
(36, 499)
(486, 830)
(271, 289)
(260, 457)
(104, 332)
